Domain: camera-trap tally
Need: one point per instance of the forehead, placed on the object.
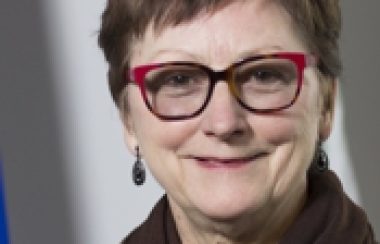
(242, 28)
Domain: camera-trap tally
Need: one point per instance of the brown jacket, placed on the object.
(329, 216)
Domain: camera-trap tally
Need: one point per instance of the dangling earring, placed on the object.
(138, 172)
(323, 160)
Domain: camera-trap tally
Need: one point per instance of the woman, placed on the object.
(228, 103)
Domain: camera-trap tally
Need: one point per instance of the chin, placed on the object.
(230, 206)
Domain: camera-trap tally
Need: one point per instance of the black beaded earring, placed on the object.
(138, 172)
(322, 160)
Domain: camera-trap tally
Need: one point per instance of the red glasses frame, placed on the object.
(301, 60)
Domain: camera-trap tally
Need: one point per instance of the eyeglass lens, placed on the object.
(182, 89)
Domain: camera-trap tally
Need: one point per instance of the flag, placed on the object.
(3, 221)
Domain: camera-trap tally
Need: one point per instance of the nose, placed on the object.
(224, 118)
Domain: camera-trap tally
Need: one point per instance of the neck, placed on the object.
(266, 225)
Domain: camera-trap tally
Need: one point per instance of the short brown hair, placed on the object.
(123, 21)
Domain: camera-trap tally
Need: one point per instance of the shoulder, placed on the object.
(136, 236)
(329, 216)
(152, 229)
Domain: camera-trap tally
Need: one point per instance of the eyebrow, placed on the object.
(260, 51)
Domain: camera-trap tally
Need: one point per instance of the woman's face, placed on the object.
(228, 161)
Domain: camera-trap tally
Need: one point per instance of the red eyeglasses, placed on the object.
(261, 84)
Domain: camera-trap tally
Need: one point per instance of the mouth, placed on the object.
(226, 162)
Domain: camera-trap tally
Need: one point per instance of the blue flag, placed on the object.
(3, 222)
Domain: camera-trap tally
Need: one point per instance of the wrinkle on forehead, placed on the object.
(212, 42)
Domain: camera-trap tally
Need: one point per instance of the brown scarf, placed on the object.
(329, 216)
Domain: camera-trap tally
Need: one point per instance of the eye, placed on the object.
(268, 76)
(167, 78)
(268, 73)
(178, 80)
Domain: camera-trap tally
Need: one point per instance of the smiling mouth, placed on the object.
(227, 163)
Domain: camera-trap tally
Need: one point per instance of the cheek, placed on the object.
(151, 132)
(294, 126)
(168, 136)
(274, 129)
(298, 124)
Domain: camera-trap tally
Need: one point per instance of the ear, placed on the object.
(329, 92)
(129, 132)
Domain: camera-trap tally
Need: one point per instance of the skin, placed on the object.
(255, 202)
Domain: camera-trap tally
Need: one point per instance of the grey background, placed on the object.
(36, 193)
(361, 89)
(30, 140)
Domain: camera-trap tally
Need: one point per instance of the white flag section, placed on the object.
(105, 204)
(336, 147)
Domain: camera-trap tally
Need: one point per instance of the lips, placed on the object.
(226, 162)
